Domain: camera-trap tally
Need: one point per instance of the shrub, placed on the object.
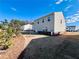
(5, 38)
(10, 31)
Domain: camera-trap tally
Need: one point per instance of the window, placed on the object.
(48, 18)
(43, 21)
(38, 22)
(61, 22)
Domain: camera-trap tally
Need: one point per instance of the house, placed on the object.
(77, 28)
(27, 27)
(52, 23)
(72, 28)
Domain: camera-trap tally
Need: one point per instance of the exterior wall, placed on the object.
(42, 26)
(56, 23)
(77, 28)
(59, 22)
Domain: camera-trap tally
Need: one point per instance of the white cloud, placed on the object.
(14, 9)
(76, 14)
(78, 11)
(59, 1)
(66, 9)
(73, 18)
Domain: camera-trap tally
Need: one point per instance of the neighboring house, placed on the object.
(77, 28)
(27, 27)
(53, 23)
(72, 28)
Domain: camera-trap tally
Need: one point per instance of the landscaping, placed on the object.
(8, 30)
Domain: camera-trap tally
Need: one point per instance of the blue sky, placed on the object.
(33, 9)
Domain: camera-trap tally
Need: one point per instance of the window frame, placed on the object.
(61, 21)
(49, 18)
(38, 22)
(42, 20)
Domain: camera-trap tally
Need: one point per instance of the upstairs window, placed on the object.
(43, 21)
(48, 18)
(61, 21)
(38, 22)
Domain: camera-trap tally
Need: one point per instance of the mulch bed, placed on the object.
(15, 50)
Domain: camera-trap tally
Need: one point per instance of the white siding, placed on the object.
(59, 22)
(56, 23)
(44, 25)
(27, 27)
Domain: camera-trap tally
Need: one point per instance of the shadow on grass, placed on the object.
(51, 48)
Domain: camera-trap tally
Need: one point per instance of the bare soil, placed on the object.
(15, 50)
(36, 47)
(51, 47)
(71, 33)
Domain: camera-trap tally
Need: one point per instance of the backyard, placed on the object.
(51, 47)
(14, 45)
(39, 29)
(43, 47)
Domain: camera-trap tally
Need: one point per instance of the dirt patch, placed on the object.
(54, 47)
(67, 50)
(15, 50)
(19, 43)
(42, 47)
(71, 33)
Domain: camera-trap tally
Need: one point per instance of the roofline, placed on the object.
(69, 26)
(45, 15)
(72, 25)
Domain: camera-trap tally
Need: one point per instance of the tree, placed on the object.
(4, 24)
(16, 24)
(1, 26)
(5, 21)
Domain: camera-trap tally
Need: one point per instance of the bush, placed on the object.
(5, 38)
(10, 31)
